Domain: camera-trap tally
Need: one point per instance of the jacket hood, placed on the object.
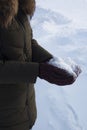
(9, 8)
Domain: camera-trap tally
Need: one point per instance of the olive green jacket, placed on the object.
(20, 56)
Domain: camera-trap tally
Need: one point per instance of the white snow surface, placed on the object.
(61, 108)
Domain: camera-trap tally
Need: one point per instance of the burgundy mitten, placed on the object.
(55, 75)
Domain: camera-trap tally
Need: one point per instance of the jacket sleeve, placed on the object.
(39, 54)
(18, 72)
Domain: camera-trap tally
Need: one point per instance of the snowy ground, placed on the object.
(61, 108)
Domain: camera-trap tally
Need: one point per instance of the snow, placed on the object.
(54, 111)
(68, 65)
(61, 108)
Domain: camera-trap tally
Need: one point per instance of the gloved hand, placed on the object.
(68, 64)
(55, 75)
(60, 72)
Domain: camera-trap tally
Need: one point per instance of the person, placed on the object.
(22, 60)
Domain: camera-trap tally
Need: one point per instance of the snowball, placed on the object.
(69, 65)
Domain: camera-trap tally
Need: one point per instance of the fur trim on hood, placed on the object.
(28, 6)
(9, 8)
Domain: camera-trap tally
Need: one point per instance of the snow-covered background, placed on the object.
(60, 26)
